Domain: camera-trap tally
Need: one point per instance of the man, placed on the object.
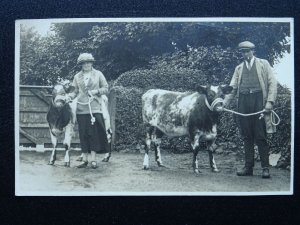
(256, 88)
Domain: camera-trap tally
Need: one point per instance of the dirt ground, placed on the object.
(124, 173)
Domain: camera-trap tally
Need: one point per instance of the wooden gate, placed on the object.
(34, 130)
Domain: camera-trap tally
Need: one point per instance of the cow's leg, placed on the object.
(212, 162)
(195, 146)
(157, 141)
(80, 158)
(158, 159)
(67, 143)
(148, 147)
(54, 144)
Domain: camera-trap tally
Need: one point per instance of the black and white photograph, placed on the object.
(154, 106)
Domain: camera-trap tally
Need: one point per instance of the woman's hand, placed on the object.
(268, 107)
(93, 92)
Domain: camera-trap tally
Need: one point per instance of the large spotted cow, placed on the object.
(61, 118)
(183, 113)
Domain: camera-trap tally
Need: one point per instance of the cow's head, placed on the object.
(215, 93)
(59, 93)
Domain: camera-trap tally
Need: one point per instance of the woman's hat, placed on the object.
(85, 57)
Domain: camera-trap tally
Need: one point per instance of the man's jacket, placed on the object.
(267, 82)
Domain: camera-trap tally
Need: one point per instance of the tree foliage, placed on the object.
(29, 54)
(121, 47)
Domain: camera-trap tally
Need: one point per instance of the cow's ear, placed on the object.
(54, 91)
(226, 89)
(208, 88)
(202, 89)
(69, 88)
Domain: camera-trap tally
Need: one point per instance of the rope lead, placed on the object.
(273, 115)
(220, 100)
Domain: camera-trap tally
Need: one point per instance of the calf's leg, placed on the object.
(67, 156)
(148, 147)
(53, 154)
(212, 162)
(157, 152)
(156, 138)
(67, 143)
(195, 147)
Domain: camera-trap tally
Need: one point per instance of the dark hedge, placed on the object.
(180, 79)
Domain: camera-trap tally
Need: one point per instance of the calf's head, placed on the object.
(59, 94)
(214, 93)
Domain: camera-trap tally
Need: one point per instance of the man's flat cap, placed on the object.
(246, 45)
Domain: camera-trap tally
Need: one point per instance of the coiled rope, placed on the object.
(90, 108)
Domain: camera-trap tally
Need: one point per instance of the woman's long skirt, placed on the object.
(92, 137)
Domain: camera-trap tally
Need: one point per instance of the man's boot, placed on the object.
(246, 171)
(265, 173)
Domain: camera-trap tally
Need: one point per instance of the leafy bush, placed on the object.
(169, 79)
(281, 140)
(128, 115)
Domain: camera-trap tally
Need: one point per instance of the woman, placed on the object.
(90, 85)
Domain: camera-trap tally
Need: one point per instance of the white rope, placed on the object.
(90, 108)
(273, 115)
(220, 100)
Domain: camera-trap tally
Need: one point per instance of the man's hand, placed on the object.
(268, 107)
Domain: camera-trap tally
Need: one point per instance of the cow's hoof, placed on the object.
(146, 168)
(215, 170)
(79, 159)
(51, 163)
(197, 171)
(105, 159)
(67, 164)
(161, 165)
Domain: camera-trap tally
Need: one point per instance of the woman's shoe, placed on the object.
(82, 165)
(94, 165)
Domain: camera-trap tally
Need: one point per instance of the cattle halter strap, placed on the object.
(214, 103)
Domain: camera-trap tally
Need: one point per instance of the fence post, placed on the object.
(112, 113)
